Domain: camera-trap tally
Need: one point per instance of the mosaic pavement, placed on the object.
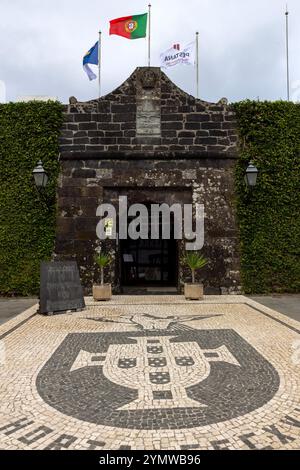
(151, 373)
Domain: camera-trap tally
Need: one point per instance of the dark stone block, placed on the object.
(69, 191)
(205, 140)
(88, 192)
(217, 117)
(186, 141)
(86, 224)
(95, 133)
(169, 140)
(223, 141)
(87, 236)
(186, 134)
(80, 134)
(102, 117)
(108, 140)
(81, 140)
(109, 126)
(203, 133)
(172, 125)
(95, 148)
(168, 133)
(84, 173)
(68, 202)
(88, 126)
(124, 117)
(127, 125)
(73, 127)
(171, 117)
(63, 246)
(65, 225)
(113, 134)
(82, 117)
(211, 125)
(218, 133)
(197, 148)
(123, 140)
(174, 148)
(198, 117)
(192, 125)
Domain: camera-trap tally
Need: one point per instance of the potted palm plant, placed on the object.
(195, 261)
(102, 291)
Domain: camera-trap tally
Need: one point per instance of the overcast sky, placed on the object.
(242, 46)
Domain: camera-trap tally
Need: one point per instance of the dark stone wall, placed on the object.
(148, 137)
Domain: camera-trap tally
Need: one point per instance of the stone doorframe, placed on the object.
(142, 195)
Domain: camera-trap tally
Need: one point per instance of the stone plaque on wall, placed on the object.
(148, 116)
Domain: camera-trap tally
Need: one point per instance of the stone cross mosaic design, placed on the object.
(157, 379)
(158, 368)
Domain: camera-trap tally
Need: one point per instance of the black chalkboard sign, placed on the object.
(61, 289)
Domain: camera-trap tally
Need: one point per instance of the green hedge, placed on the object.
(269, 215)
(28, 132)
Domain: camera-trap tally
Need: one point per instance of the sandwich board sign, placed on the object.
(61, 289)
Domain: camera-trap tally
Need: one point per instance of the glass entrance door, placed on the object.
(149, 262)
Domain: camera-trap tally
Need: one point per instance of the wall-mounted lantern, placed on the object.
(251, 175)
(40, 176)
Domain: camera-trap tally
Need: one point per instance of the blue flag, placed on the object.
(91, 57)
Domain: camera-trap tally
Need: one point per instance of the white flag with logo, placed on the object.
(175, 55)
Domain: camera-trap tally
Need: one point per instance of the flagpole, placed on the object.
(99, 62)
(149, 37)
(197, 63)
(287, 53)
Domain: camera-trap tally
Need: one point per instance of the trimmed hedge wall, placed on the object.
(269, 215)
(28, 132)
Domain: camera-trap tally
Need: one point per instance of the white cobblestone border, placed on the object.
(163, 300)
(18, 320)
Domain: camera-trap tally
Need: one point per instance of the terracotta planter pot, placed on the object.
(102, 292)
(193, 291)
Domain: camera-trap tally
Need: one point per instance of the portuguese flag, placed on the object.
(130, 27)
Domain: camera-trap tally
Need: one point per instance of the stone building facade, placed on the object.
(151, 142)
